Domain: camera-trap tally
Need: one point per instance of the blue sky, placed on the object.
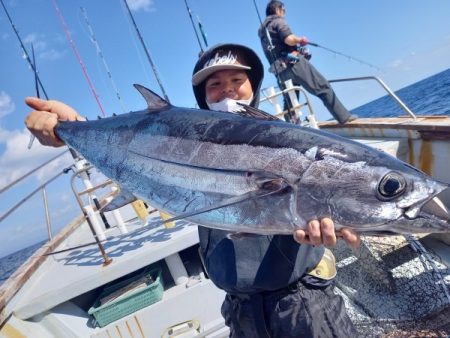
(407, 40)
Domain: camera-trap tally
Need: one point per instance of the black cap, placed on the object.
(227, 56)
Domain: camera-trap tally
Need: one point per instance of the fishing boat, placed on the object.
(144, 278)
(140, 277)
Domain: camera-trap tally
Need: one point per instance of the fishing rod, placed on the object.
(99, 52)
(38, 95)
(291, 113)
(27, 57)
(200, 27)
(77, 55)
(147, 53)
(193, 26)
(342, 54)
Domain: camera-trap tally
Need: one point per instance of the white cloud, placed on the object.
(396, 63)
(17, 160)
(42, 48)
(137, 5)
(6, 104)
(51, 55)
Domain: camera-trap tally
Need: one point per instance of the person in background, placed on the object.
(273, 284)
(288, 58)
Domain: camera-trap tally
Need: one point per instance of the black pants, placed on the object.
(303, 73)
(301, 311)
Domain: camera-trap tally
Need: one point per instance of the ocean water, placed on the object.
(430, 96)
(12, 262)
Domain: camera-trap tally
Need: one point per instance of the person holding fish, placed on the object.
(276, 285)
(281, 48)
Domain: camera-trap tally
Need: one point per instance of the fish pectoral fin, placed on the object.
(154, 101)
(251, 195)
(255, 113)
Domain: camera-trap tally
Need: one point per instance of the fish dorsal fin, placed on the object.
(154, 101)
(250, 111)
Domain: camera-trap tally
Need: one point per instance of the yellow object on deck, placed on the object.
(164, 216)
(140, 209)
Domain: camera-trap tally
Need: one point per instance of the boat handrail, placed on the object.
(385, 87)
(13, 183)
(290, 90)
(27, 197)
(77, 173)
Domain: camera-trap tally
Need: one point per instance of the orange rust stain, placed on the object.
(129, 329)
(426, 157)
(410, 151)
(8, 330)
(139, 326)
(118, 331)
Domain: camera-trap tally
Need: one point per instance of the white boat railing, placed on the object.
(271, 96)
(385, 87)
(41, 188)
(88, 210)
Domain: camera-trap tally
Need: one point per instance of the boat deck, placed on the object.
(84, 270)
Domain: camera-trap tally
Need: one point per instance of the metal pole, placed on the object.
(47, 213)
(106, 259)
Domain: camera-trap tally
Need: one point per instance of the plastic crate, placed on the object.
(123, 306)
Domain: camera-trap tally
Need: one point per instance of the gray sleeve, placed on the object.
(282, 28)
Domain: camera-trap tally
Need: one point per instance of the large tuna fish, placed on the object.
(253, 173)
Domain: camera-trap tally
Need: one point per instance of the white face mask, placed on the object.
(229, 105)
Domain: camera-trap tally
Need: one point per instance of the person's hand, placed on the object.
(303, 41)
(41, 121)
(322, 231)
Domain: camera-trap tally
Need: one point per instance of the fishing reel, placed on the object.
(303, 50)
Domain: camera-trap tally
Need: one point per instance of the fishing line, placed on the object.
(344, 55)
(100, 54)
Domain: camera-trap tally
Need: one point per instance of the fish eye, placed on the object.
(391, 185)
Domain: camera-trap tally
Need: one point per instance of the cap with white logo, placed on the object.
(223, 59)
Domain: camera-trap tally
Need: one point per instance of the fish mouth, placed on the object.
(435, 210)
